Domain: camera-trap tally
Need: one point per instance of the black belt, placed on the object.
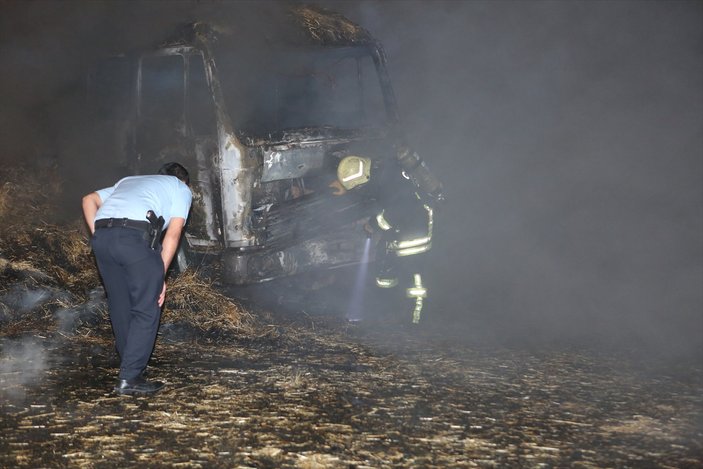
(122, 223)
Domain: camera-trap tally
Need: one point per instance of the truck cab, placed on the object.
(291, 135)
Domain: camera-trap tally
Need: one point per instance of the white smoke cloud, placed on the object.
(23, 362)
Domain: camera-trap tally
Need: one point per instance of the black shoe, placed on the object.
(138, 385)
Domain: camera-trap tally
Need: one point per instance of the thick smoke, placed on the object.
(568, 136)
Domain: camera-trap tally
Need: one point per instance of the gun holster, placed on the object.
(157, 226)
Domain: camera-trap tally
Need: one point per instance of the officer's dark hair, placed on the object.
(175, 169)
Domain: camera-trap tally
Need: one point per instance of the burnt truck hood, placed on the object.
(284, 139)
(304, 152)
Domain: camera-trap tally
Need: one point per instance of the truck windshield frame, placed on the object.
(289, 88)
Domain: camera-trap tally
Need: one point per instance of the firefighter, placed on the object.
(404, 220)
(406, 226)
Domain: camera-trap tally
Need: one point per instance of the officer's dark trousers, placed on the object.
(133, 275)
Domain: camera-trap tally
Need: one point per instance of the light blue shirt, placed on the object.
(133, 196)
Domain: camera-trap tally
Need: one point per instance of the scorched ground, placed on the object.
(325, 394)
(249, 386)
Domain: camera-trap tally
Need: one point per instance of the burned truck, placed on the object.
(292, 137)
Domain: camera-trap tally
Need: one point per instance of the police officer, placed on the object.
(131, 266)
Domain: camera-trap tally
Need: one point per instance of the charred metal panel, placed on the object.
(203, 227)
(312, 216)
(292, 163)
(237, 178)
(238, 170)
(254, 267)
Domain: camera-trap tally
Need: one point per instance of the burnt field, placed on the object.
(322, 393)
(251, 385)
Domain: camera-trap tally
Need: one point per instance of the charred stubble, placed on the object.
(338, 396)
